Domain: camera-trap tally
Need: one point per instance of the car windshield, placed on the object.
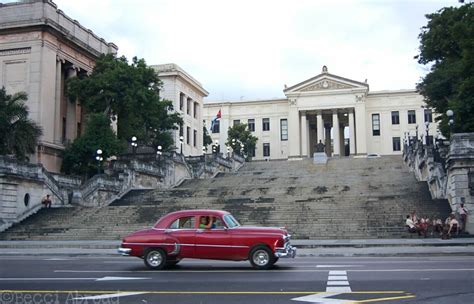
(231, 221)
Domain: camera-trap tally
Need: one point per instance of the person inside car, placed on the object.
(205, 222)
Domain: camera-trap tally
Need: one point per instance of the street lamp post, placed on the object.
(204, 149)
(228, 152)
(450, 115)
(134, 144)
(427, 124)
(242, 149)
(181, 142)
(99, 158)
(416, 132)
(159, 152)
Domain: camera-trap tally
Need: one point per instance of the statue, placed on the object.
(320, 147)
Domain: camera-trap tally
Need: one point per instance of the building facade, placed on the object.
(341, 113)
(187, 95)
(40, 48)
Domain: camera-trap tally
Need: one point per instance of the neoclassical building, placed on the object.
(40, 48)
(341, 113)
(186, 94)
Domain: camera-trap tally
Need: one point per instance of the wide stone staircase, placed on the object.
(348, 198)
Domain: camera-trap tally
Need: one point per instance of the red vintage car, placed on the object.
(206, 234)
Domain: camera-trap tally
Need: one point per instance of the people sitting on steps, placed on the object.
(46, 201)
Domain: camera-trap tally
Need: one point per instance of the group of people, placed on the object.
(447, 229)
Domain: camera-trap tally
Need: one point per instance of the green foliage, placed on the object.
(130, 91)
(242, 135)
(19, 134)
(79, 157)
(207, 140)
(447, 44)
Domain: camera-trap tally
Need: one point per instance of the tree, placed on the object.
(240, 134)
(207, 139)
(130, 92)
(79, 157)
(447, 44)
(19, 134)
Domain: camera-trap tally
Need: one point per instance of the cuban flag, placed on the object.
(218, 116)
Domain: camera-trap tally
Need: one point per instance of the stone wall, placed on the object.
(448, 168)
(23, 185)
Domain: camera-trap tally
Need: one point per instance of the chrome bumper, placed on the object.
(124, 251)
(286, 252)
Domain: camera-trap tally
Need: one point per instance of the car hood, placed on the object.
(251, 229)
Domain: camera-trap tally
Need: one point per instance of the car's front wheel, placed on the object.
(261, 257)
(155, 258)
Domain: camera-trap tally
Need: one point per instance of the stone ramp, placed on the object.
(344, 199)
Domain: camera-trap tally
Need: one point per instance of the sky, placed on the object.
(247, 50)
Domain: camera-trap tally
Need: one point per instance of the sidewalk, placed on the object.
(316, 248)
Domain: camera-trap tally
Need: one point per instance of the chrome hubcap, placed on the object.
(154, 258)
(261, 258)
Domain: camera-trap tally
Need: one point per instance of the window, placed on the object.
(183, 223)
(428, 115)
(195, 138)
(429, 140)
(236, 122)
(411, 117)
(181, 131)
(251, 152)
(79, 129)
(396, 143)
(375, 124)
(181, 101)
(188, 106)
(283, 129)
(188, 133)
(215, 126)
(251, 124)
(195, 110)
(266, 124)
(395, 118)
(64, 129)
(266, 150)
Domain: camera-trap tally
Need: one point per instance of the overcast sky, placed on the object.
(250, 49)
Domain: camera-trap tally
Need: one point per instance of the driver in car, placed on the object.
(205, 222)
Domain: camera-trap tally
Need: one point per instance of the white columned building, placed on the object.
(341, 113)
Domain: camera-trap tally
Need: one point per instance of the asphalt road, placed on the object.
(40, 279)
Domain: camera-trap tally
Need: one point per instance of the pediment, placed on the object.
(326, 82)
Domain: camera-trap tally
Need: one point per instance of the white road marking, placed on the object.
(120, 278)
(259, 271)
(337, 278)
(73, 279)
(337, 281)
(336, 266)
(108, 296)
(323, 298)
(341, 289)
(58, 259)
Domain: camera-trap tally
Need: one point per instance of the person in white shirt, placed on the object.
(411, 226)
(463, 216)
(453, 225)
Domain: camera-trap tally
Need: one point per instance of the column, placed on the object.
(57, 104)
(304, 135)
(293, 133)
(351, 134)
(320, 127)
(308, 138)
(71, 126)
(336, 134)
(360, 129)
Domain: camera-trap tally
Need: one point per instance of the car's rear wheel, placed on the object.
(155, 258)
(261, 257)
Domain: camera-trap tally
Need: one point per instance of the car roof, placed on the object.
(166, 219)
(198, 212)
